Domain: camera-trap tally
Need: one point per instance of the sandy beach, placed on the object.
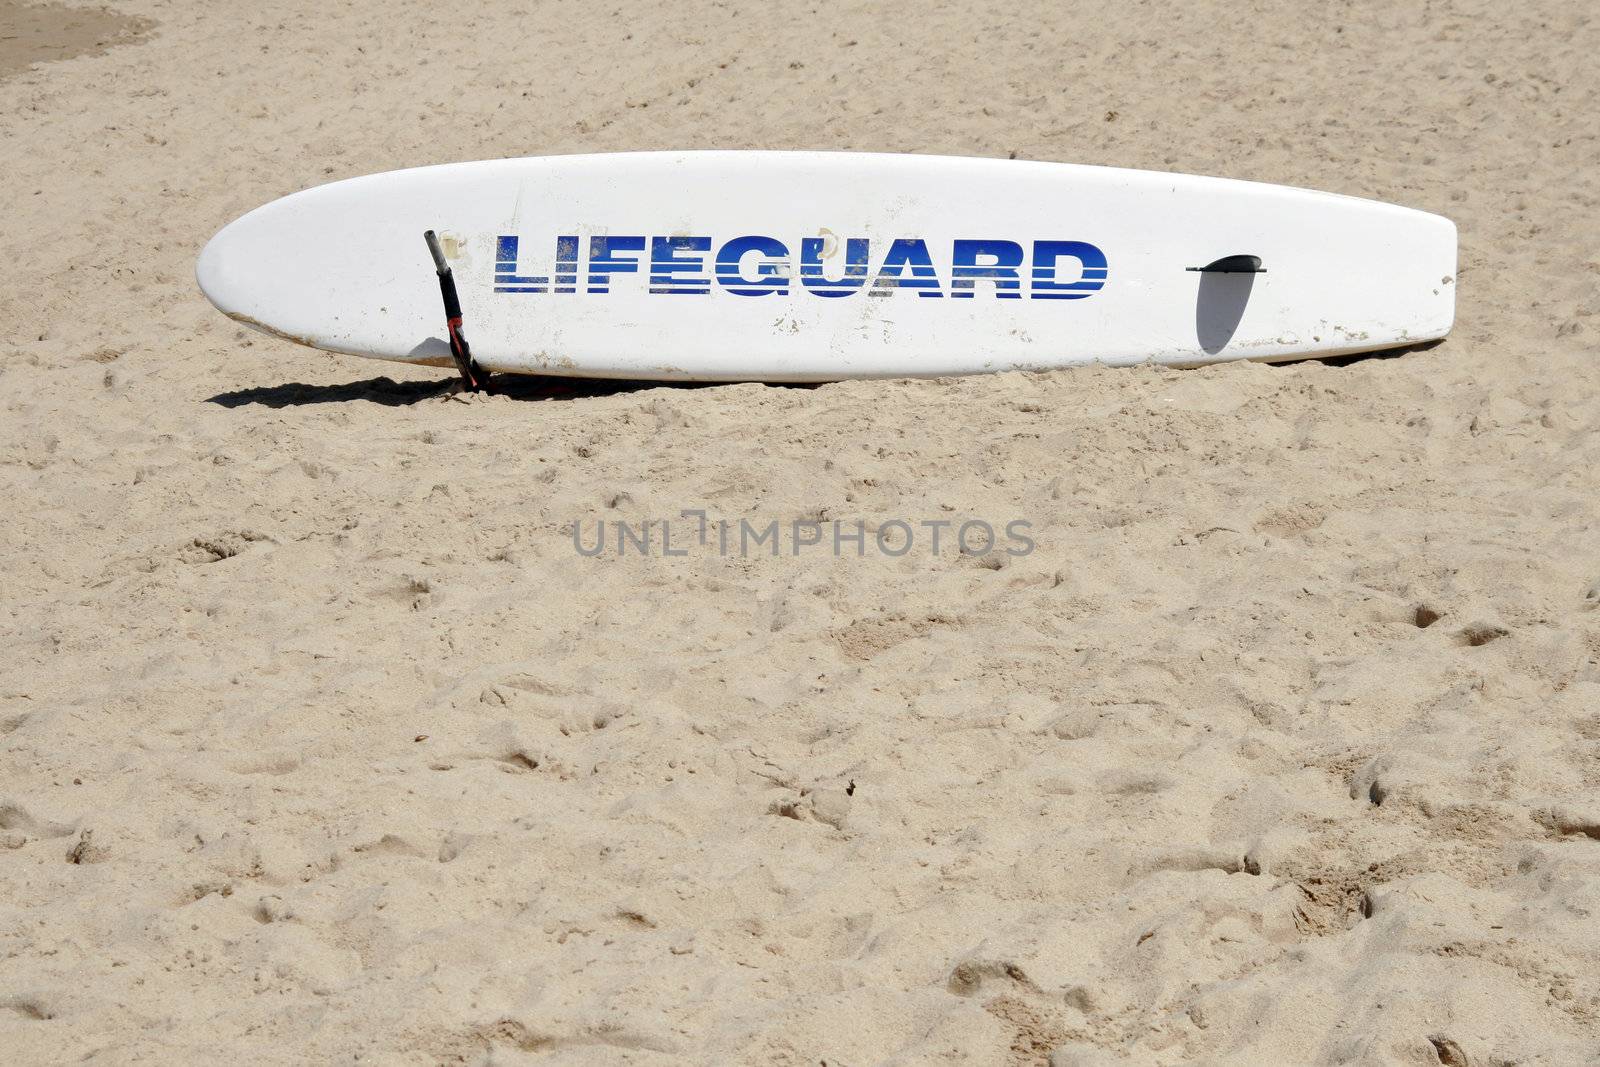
(321, 742)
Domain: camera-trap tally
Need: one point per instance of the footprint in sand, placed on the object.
(30, 1006)
(87, 850)
(17, 820)
(272, 909)
(1424, 614)
(1481, 632)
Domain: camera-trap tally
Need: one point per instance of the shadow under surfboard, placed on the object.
(529, 387)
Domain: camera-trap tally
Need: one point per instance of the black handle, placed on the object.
(472, 375)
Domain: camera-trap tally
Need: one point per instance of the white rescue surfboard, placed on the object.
(815, 266)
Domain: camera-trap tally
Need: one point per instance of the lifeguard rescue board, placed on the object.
(816, 266)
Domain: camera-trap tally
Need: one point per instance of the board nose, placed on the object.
(231, 269)
(212, 273)
(245, 267)
(240, 270)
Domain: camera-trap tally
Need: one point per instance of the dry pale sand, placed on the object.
(321, 743)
